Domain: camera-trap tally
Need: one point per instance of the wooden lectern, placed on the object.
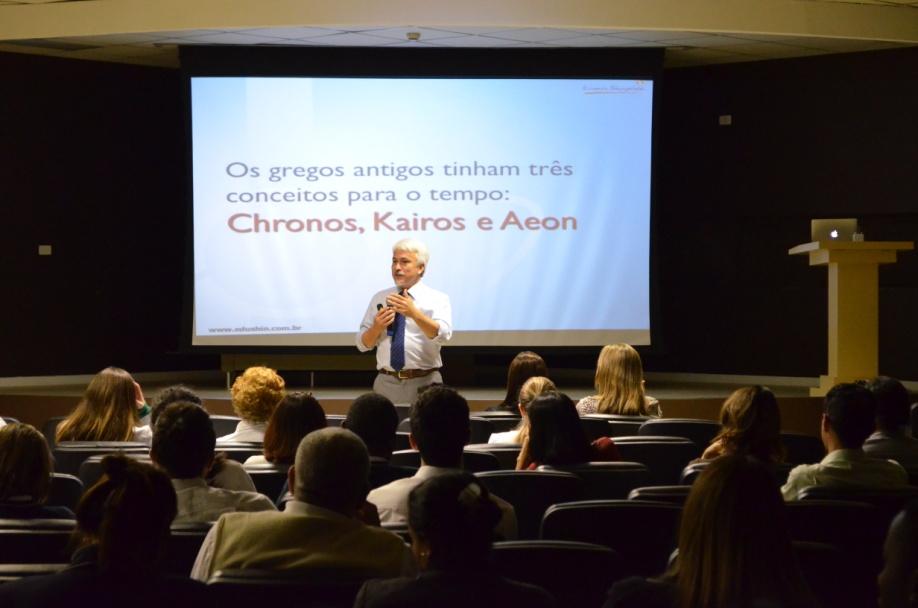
(853, 304)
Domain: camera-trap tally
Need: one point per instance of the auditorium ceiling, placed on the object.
(692, 32)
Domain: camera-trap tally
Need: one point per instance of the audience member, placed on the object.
(122, 529)
(439, 431)
(531, 389)
(224, 472)
(25, 475)
(892, 438)
(2, 423)
(255, 394)
(373, 418)
(524, 366)
(734, 547)
(112, 409)
(183, 446)
(750, 424)
(619, 385)
(898, 579)
(320, 531)
(848, 419)
(297, 415)
(451, 521)
(557, 438)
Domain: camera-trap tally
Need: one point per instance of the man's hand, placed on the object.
(383, 319)
(403, 305)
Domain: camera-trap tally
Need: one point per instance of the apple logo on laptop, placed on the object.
(834, 234)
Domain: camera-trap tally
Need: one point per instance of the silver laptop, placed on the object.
(842, 229)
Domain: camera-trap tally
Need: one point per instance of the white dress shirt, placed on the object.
(421, 352)
(845, 469)
(199, 502)
(392, 500)
(246, 431)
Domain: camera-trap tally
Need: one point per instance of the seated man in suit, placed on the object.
(183, 446)
(892, 439)
(847, 420)
(439, 431)
(321, 530)
(373, 418)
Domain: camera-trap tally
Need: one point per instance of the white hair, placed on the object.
(413, 246)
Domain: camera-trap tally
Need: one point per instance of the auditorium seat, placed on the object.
(497, 414)
(247, 588)
(671, 494)
(269, 478)
(832, 576)
(618, 425)
(401, 440)
(857, 527)
(576, 574)
(334, 419)
(802, 449)
(531, 493)
(506, 453)
(49, 429)
(691, 472)
(65, 491)
(699, 431)
(12, 572)
(888, 502)
(605, 480)
(402, 410)
(404, 425)
(473, 461)
(224, 425)
(69, 455)
(35, 541)
(501, 424)
(185, 541)
(480, 429)
(240, 451)
(665, 457)
(595, 427)
(644, 533)
(91, 469)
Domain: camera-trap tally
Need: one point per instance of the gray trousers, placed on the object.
(403, 391)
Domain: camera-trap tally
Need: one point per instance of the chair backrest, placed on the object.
(334, 419)
(644, 533)
(670, 494)
(382, 473)
(576, 574)
(699, 431)
(184, 543)
(506, 453)
(887, 501)
(691, 472)
(665, 457)
(263, 588)
(91, 469)
(224, 425)
(65, 491)
(35, 541)
(472, 460)
(401, 440)
(595, 427)
(480, 429)
(802, 449)
(402, 410)
(404, 425)
(406, 458)
(531, 493)
(240, 451)
(833, 577)
(49, 429)
(13, 572)
(69, 455)
(268, 478)
(605, 480)
(501, 424)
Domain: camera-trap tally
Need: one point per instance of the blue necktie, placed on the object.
(397, 353)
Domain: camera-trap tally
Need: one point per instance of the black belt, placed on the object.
(408, 374)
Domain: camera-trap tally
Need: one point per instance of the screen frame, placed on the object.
(383, 62)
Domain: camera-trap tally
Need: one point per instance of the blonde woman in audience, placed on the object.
(531, 389)
(619, 385)
(112, 409)
(750, 425)
(25, 475)
(255, 394)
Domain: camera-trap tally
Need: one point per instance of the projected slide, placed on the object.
(533, 197)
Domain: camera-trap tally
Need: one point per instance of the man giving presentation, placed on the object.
(406, 324)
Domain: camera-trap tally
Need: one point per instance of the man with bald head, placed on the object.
(320, 530)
